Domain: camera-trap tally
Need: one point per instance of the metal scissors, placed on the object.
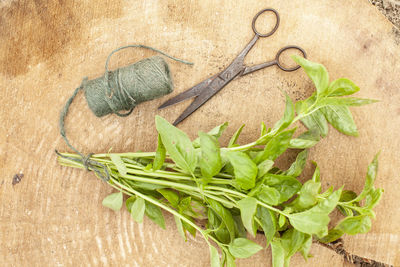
(209, 87)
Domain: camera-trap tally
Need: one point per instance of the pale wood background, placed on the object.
(54, 216)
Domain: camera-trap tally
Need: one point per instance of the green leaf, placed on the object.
(370, 179)
(210, 161)
(308, 195)
(177, 144)
(230, 260)
(287, 118)
(306, 247)
(222, 234)
(155, 214)
(243, 248)
(185, 207)
(341, 119)
(129, 202)
(215, 132)
(235, 136)
(248, 208)
(195, 210)
(214, 257)
(189, 228)
(137, 209)
(179, 226)
(213, 222)
(317, 175)
(373, 197)
(345, 101)
(268, 195)
(256, 189)
(268, 222)
(345, 211)
(355, 225)
(329, 204)
(116, 159)
(333, 234)
(171, 196)
(311, 222)
(347, 196)
(160, 155)
(146, 186)
(264, 167)
(224, 215)
(292, 241)
(297, 167)
(281, 221)
(316, 121)
(327, 193)
(148, 168)
(244, 168)
(263, 129)
(184, 204)
(310, 135)
(278, 253)
(287, 186)
(240, 230)
(276, 146)
(305, 140)
(316, 219)
(113, 201)
(302, 143)
(303, 106)
(342, 87)
(317, 73)
(218, 227)
(228, 168)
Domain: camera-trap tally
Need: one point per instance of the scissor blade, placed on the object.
(214, 87)
(204, 96)
(191, 92)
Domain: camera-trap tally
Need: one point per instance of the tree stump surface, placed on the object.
(53, 216)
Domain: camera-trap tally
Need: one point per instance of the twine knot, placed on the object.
(86, 160)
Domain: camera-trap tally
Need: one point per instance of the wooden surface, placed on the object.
(54, 216)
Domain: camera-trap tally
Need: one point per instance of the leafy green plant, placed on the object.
(226, 193)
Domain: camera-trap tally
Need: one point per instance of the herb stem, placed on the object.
(128, 155)
(159, 204)
(223, 194)
(159, 182)
(174, 186)
(189, 188)
(243, 196)
(240, 148)
(272, 208)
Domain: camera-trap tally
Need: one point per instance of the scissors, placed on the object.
(209, 87)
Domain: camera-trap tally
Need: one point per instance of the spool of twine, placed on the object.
(121, 89)
(126, 87)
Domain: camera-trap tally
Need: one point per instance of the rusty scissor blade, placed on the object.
(191, 92)
(197, 89)
(197, 102)
(214, 87)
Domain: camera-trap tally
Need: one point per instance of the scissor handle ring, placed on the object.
(253, 24)
(286, 48)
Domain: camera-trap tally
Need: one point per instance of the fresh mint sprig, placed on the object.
(226, 193)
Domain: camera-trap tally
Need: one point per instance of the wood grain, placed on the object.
(54, 217)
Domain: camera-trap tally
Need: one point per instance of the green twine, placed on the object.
(121, 89)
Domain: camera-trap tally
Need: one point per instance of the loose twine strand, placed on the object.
(121, 89)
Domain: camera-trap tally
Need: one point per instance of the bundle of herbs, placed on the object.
(228, 193)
